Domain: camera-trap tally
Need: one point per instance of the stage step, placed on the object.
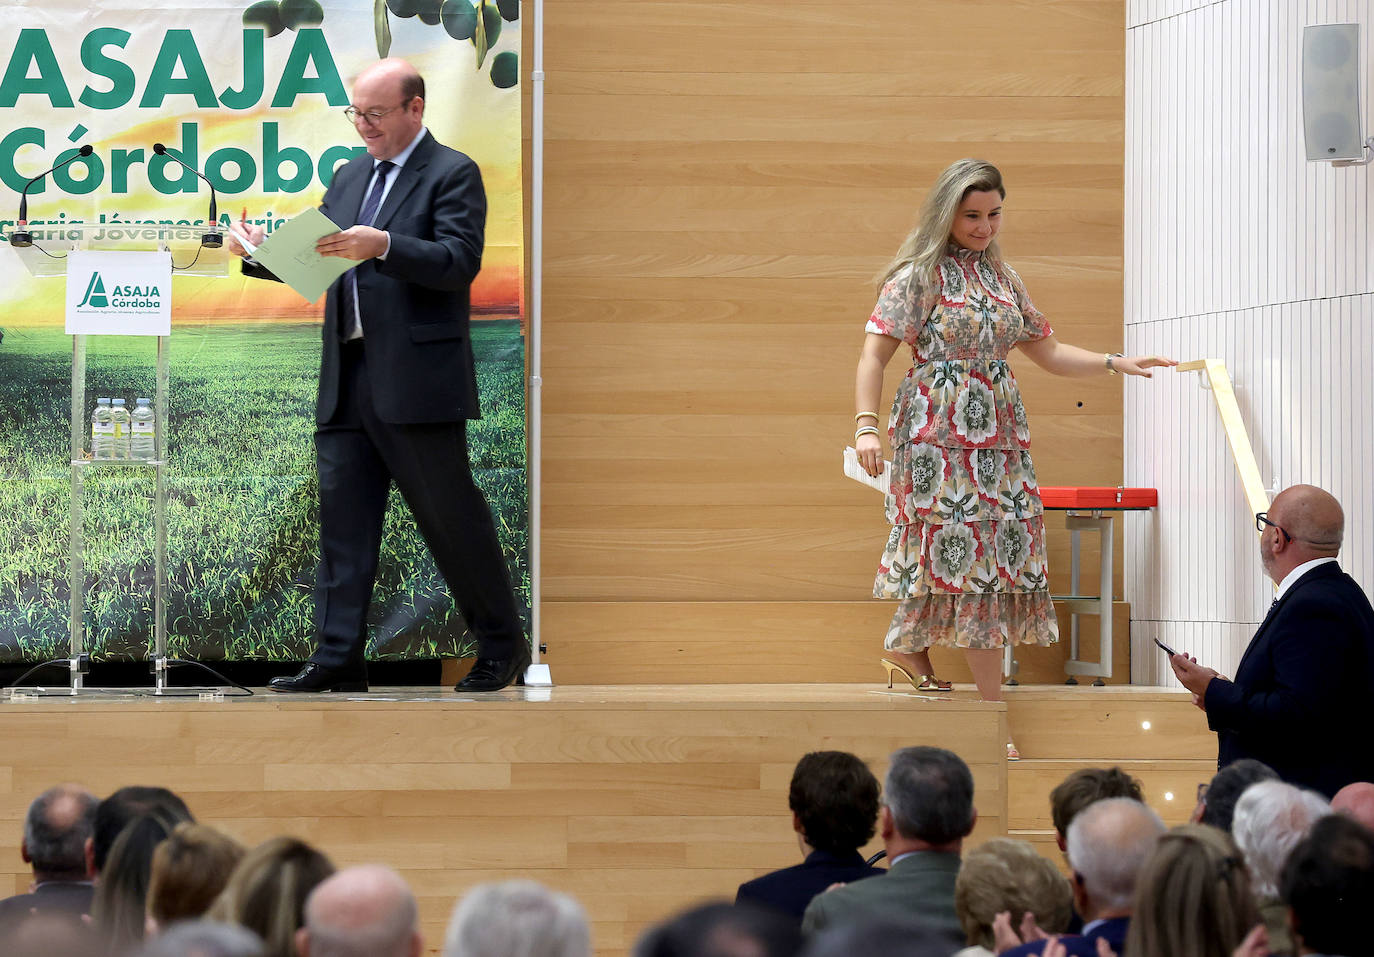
(1170, 788)
(1096, 725)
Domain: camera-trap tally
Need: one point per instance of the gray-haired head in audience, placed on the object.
(1271, 818)
(1108, 842)
(366, 911)
(517, 918)
(204, 938)
(56, 828)
(929, 792)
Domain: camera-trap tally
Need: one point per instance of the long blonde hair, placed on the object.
(925, 244)
(1193, 897)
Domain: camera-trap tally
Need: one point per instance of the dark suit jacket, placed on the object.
(791, 889)
(1113, 930)
(67, 898)
(1300, 701)
(414, 304)
(919, 887)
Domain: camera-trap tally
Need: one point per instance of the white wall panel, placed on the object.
(1237, 248)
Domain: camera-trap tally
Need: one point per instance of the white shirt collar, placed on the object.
(400, 158)
(1297, 573)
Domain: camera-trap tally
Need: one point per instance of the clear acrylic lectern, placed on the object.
(48, 257)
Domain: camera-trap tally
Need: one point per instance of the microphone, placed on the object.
(213, 238)
(21, 236)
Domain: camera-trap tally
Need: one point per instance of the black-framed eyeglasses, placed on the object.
(1262, 519)
(372, 117)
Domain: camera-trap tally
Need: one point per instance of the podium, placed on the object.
(113, 288)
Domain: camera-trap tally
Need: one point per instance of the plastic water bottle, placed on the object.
(119, 418)
(102, 430)
(141, 435)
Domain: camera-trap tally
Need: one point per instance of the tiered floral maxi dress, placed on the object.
(966, 557)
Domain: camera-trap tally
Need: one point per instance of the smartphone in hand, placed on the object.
(1167, 650)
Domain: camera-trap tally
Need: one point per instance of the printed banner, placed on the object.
(253, 95)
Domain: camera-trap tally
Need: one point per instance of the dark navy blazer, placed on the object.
(1301, 699)
(791, 889)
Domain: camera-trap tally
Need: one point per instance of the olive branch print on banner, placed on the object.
(477, 21)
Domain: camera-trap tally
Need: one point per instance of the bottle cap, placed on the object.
(120, 402)
(143, 401)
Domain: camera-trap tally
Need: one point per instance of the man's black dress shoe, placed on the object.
(493, 674)
(315, 677)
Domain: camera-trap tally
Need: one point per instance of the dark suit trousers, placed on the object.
(358, 456)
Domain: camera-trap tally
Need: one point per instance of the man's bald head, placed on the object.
(59, 822)
(393, 75)
(1357, 801)
(365, 911)
(1305, 523)
(388, 107)
(1312, 516)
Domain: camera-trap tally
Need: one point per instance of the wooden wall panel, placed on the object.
(722, 181)
(639, 802)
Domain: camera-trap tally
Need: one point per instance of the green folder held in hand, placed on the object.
(290, 253)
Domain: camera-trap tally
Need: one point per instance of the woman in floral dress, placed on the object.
(966, 556)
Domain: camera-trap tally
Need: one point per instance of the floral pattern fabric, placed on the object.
(966, 556)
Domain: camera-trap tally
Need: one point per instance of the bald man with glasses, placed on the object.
(1301, 699)
(398, 385)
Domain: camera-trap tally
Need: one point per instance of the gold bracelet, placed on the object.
(1108, 357)
(860, 415)
(866, 430)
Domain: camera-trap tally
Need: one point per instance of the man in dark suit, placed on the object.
(834, 801)
(57, 827)
(397, 386)
(1300, 698)
(927, 812)
(1108, 843)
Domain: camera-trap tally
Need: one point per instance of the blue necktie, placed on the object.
(351, 325)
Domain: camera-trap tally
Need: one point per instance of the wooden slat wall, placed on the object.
(1282, 294)
(722, 181)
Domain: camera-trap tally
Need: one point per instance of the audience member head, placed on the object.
(878, 938)
(363, 911)
(1006, 875)
(204, 938)
(119, 908)
(190, 869)
(56, 829)
(927, 801)
(517, 919)
(1271, 818)
(834, 801)
(1356, 801)
(1194, 897)
(116, 811)
(1328, 885)
(1108, 843)
(1218, 803)
(722, 930)
(1082, 788)
(1305, 523)
(267, 890)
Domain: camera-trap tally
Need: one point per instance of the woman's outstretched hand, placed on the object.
(1141, 365)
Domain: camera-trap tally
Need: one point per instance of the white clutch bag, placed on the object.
(854, 470)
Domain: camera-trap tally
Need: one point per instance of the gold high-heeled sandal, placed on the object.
(926, 682)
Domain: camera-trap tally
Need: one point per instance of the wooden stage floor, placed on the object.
(637, 799)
